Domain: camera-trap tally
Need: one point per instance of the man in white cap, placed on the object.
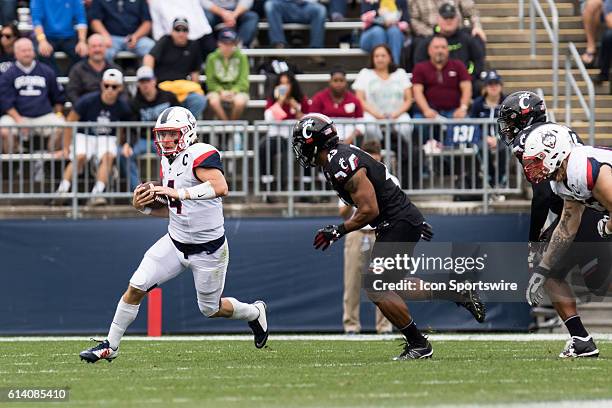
(99, 142)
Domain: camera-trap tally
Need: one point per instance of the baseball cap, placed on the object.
(492, 77)
(447, 10)
(227, 35)
(113, 75)
(180, 22)
(144, 73)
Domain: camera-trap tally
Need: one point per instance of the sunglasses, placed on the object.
(7, 36)
(111, 86)
(181, 30)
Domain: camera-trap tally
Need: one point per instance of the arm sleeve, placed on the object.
(7, 91)
(417, 75)
(95, 11)
(343, 166)
(210, 159)
(361, 80)
(145, 14)
(243, 77)
(79, 10)
(79, 108)
(37, 13)
(158, 49)
(212, 83)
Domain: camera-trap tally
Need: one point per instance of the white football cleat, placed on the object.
(103, 351)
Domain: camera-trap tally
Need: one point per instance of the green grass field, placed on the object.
(306, 373)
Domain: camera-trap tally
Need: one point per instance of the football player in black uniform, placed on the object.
(520, 114)
(366, 184)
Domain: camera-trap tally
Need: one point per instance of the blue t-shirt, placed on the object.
(120, 17)
(90, 108)
(32, 93)
(58, 17)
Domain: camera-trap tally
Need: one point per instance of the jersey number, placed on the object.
(175, 203)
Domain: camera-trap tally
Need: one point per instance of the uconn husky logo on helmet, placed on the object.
(549, 140)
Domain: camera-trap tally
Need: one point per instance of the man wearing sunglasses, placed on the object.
(99, 142)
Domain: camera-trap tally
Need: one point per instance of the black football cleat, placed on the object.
(577, 347)
(415, 351)
(103, 351)
(471, 301)
(260, 325)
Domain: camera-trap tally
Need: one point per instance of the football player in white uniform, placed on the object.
(582, 176)
(193, 180)
(522, 114)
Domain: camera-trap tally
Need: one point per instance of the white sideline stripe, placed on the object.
(601, 337)
(541, 404)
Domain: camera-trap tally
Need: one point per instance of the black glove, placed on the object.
(328, 235)
(426, 232)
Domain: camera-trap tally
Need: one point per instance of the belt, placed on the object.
(192, 249)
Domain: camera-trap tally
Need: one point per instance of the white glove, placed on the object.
(535, 288)
(602, 227)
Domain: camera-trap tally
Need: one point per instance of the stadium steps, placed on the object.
(504, 9)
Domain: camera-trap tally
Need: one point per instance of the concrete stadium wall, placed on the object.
(61, 277)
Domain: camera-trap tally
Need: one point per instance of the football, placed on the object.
(161, 200)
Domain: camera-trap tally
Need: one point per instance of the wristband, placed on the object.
(342, 229)
(204, 191)
(146, 210)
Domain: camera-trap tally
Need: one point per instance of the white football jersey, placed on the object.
(193, 221)
(583, 168)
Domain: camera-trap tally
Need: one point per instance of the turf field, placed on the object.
(226, 373)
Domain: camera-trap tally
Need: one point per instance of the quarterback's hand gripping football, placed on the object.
(602, 227)
(535, 288)
(142, 197)
(328, 235)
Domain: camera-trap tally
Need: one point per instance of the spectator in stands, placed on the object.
(227, 77)
(384, 91)
(8, 9)
(462, 46)
(148, 103)
(285, 103)
(54, 24)
(164, 13)
(423, 17)
(234, 14)
(8, 35)
(125, 25)
(592, 17)
(86, 75)
(103, 106)
(337, 102)
(606, 45)
(384, 22)
(174, 58)
(30, 95)
(357, 250)
(487, 107)
(442, 86)
(279, 12)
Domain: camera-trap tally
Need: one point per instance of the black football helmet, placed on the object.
(313, 133)
(519, 110)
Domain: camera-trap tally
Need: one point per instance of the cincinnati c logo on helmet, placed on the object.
(524, 101)
(309, 124)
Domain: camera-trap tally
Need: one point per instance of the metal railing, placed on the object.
(552, 29)
(572, 85)
(429, 157)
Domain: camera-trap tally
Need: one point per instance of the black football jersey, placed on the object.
(393, 203)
